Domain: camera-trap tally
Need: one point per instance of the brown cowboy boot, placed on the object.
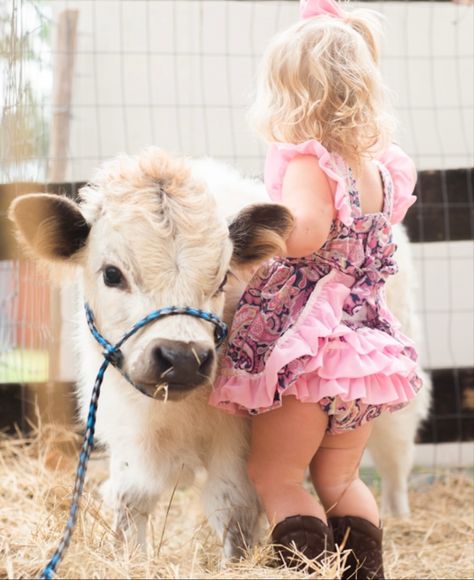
(365, 542)
(308, 534)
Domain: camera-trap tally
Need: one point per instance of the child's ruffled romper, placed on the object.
(318, 327)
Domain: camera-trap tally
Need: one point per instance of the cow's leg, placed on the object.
(133, 488)
(131, 518)
(231, 504)
(392, 446)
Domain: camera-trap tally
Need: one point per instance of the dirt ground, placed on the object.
(436, 542)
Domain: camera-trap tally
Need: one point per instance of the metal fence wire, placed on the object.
(180, 74)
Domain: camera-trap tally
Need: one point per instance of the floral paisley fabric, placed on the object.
(317, 327)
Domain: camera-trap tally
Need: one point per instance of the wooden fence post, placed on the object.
(55, 400)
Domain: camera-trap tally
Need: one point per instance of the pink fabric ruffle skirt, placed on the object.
(354, 370)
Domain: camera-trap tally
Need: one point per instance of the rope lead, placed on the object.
(114, 356)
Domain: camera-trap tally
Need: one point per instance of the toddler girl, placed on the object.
(313, 354)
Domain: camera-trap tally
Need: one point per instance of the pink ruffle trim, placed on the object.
(365, 364)
(403, 173)
(398, 164)
(280, 154)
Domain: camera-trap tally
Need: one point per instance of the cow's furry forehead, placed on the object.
(150, 183)
(166, 218)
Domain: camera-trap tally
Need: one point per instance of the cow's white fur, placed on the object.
(177, 256)
(392, 443)
(153, 445)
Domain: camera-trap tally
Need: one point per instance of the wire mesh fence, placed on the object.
(180, 74)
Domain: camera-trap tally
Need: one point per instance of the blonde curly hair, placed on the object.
(320, 79)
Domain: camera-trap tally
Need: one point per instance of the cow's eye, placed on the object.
(223, 283)
(113, 276)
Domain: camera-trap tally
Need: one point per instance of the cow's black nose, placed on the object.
(181, 363)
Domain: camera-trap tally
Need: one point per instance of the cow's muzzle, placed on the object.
(168, 369)
(174, 365)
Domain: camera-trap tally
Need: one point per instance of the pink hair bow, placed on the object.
(310, 8)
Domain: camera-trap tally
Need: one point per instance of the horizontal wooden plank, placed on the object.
(444, 210)
(8, 192)
(451, 416)
(19, 404)
(12, 415)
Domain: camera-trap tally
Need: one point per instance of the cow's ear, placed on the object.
(259, 232)
(52, 227)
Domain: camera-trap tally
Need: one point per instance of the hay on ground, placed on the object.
(35, 490)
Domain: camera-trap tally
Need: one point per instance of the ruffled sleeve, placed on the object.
(280, 154)
(403, 173)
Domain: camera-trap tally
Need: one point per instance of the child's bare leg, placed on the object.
(350, 505)
(282, 444)
(335, 474)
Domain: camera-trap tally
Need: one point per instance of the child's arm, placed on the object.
(307, 194)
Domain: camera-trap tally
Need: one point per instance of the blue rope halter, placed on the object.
(114, 356)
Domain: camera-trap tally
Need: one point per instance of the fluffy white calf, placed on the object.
(148, 234)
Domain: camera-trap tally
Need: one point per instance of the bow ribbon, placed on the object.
(310, 8)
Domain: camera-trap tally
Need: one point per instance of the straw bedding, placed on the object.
(36, 478)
